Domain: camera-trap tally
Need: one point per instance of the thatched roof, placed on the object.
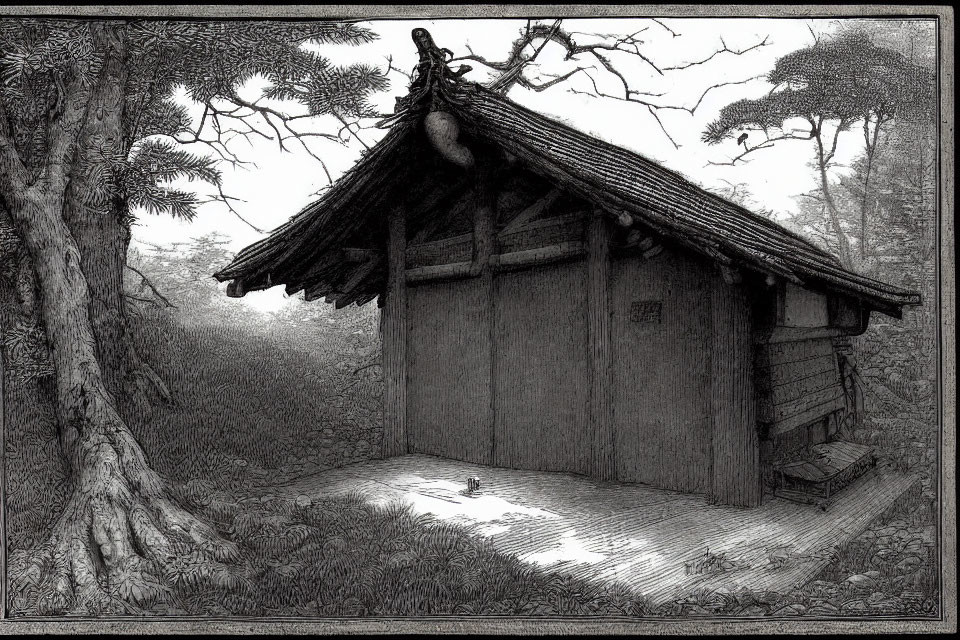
(305, 253)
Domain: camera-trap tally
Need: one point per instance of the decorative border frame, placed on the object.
(946, 285)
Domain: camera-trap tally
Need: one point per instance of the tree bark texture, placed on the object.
(99, 220)
(843, 244)
(121, 520)
(121, 529)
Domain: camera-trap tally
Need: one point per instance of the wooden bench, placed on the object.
(822, 471)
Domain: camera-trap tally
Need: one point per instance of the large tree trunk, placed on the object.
(99, 221)
(122, 531)
(102, 235)
(102, 242)
(122, 526)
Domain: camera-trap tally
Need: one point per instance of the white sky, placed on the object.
(283, 183)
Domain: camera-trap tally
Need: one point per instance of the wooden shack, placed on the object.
(554, 302)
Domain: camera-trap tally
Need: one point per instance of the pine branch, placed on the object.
(163, 162)
(766, 144)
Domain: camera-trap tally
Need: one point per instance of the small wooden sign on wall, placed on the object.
(646, 311)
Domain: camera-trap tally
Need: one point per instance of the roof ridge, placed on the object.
(482, 90)
(662, 198)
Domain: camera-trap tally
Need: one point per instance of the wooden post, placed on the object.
(736, 446)
(598, 326)
(3, 487)
(395, 340)
(484, 222)
(484, 246)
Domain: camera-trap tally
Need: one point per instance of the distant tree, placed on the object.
(89, 131)
(897, 178)
(177, 275)
(828, 88)
(902, 196)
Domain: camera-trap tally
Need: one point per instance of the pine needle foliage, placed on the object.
(208, 61)
(844, 79)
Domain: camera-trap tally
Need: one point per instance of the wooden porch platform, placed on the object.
(653, 540)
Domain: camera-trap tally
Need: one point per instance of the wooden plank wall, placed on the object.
(445, 251)
(448, 383)
(797, 383)
(395, 324)
(598, 333)
(661, 372)
(803, 308)
(736, 446)
(543, 232)
(542, 370)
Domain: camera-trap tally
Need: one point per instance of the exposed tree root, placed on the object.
(123, 543)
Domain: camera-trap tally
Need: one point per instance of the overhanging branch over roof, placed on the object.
(306, 252)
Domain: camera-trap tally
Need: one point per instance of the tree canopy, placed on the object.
(846, 79)
(832, 84)
(209, 62)
(92, 126)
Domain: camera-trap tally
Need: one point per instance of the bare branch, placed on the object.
(716, 86)
(669, 30)
(609, 67)
(512, 74)
(225, 199)
(631, 95)
(473, 57)
(241, 112)
(553, 31)
(842, 126)
(276, 120)
(347, 126)
(145, 281)
(766, 144)
(737, 52)
(323, 165)
(627, 44)
(556, 79)
(662, 128)
(390, 67)
(218, 147)
(604, 35)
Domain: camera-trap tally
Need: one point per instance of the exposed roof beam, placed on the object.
(359, 274)
(352, 254)
(236, 288)
(534, 210)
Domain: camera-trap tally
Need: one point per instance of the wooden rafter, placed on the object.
(351, 254)
(535, 210)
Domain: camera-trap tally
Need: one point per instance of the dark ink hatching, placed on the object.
(590, 386)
